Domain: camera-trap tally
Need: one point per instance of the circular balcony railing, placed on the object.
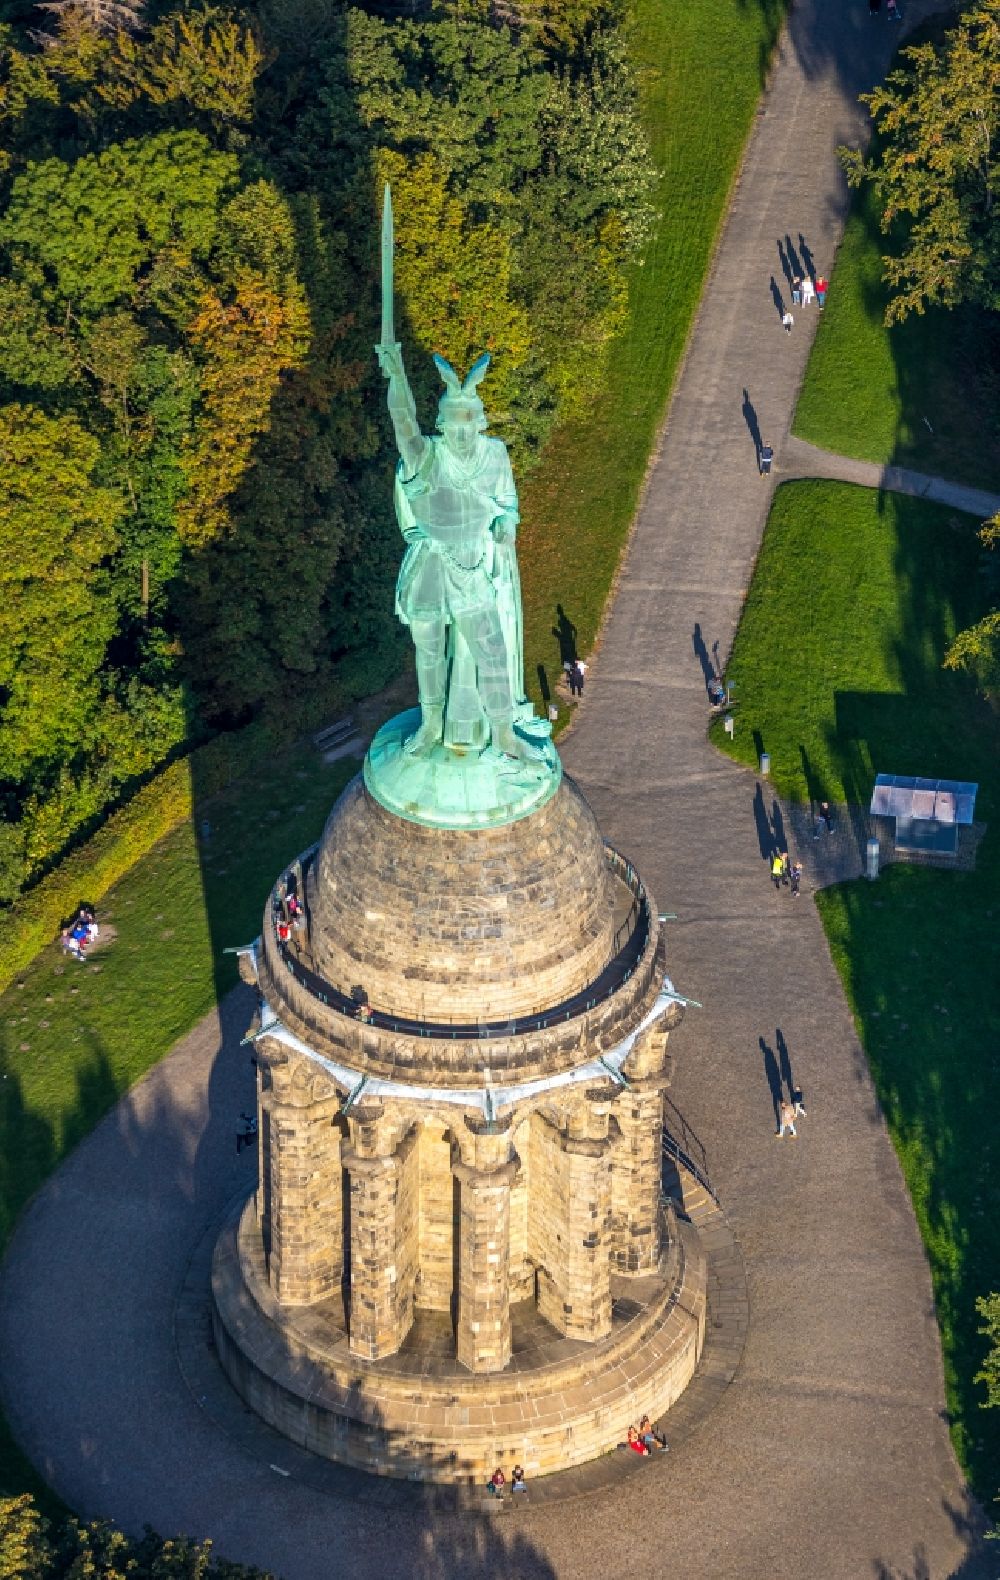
(627, 950)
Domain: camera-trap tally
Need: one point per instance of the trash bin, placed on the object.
(871, 863)
(765, 763)
(728, 722)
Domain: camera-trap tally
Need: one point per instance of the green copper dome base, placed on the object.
(448, 788)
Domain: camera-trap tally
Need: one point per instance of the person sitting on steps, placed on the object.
(650, 1436)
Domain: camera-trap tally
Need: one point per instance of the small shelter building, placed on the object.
(928, 812)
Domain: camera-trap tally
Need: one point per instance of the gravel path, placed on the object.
(799, 459)
(828, 1456)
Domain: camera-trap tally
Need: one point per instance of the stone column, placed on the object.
(638, 1168)
(301, 1194)
(483, 1328)
(383, 1235)
(576, 1296)
(638, 1164)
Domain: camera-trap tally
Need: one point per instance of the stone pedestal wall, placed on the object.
(437, 1220)
(447, 1424)
(416, 1186)
(405, 910)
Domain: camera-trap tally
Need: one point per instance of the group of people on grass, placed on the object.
(81, 934)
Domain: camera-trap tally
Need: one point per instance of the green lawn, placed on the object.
(836, 667)
(74, 1037)
(870, 391)
(700, 67)
(919, 957)
(837, 662)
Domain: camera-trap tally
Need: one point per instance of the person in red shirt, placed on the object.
(635, 1442)
(822, 286)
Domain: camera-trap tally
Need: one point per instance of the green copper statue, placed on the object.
(458, 588)
(474, 756)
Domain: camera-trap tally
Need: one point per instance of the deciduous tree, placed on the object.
(936, 167)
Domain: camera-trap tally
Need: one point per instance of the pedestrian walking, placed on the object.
(797, 1107)
(764, 459)
(892, 11)
(808, 292)
(786, 1119)
(825, 819)
(787, 321)
(576, 677)
(786, 868)
(822, 286)
(777, 870)
(795, 878)
(797, 291)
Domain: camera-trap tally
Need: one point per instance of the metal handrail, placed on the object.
(673, 1150)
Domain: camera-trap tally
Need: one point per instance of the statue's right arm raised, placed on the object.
(410, 442)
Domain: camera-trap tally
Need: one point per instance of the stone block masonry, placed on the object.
(425, 1283)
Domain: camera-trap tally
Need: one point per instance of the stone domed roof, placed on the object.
(462, 925)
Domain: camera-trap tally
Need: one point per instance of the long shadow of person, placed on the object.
(773, 1075)
(701, 654)
(778, 826)
(785, 259)
(753, 426)
(784, 1063)
(795, 267)
(814, 784)
(777, 298)
(765, 837)
(808, 261)
(564, 632)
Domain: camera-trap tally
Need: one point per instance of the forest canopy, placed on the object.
(195, 517)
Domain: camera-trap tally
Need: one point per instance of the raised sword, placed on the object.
(388, 340)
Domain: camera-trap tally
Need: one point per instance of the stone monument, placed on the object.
(458, 1252)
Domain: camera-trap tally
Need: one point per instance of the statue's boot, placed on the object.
(430, 734)
(507, 741)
